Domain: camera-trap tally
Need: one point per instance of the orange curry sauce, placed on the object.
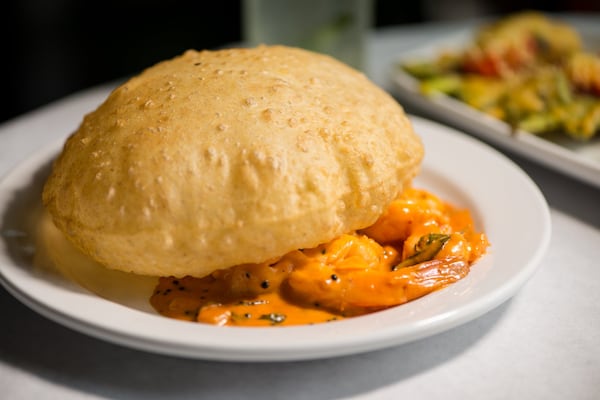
(420, 244)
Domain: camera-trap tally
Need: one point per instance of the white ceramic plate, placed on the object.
(577, 159)
(504, 201)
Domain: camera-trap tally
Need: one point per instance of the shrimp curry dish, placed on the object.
(419, 244)
(265, 186)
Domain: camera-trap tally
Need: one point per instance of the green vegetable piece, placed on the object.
(448, 84)
(444, 64)
(538, 123)
(426, 248)
(563, 88)
(422, 70)
(275, 318)
(582, 120)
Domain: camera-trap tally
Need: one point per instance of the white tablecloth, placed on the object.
(541, 344)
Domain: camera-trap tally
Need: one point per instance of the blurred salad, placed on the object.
(525, 69)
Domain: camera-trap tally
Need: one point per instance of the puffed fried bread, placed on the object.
(218, 158)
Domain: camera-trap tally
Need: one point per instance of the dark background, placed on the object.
(53, 48)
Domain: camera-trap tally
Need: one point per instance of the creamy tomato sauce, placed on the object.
(420, 244)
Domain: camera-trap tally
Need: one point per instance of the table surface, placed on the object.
(541, 344)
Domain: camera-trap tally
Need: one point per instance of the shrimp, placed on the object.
(357, 292)
(355, 275)
(419, 245)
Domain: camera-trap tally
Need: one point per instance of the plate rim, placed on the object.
(304, 349)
